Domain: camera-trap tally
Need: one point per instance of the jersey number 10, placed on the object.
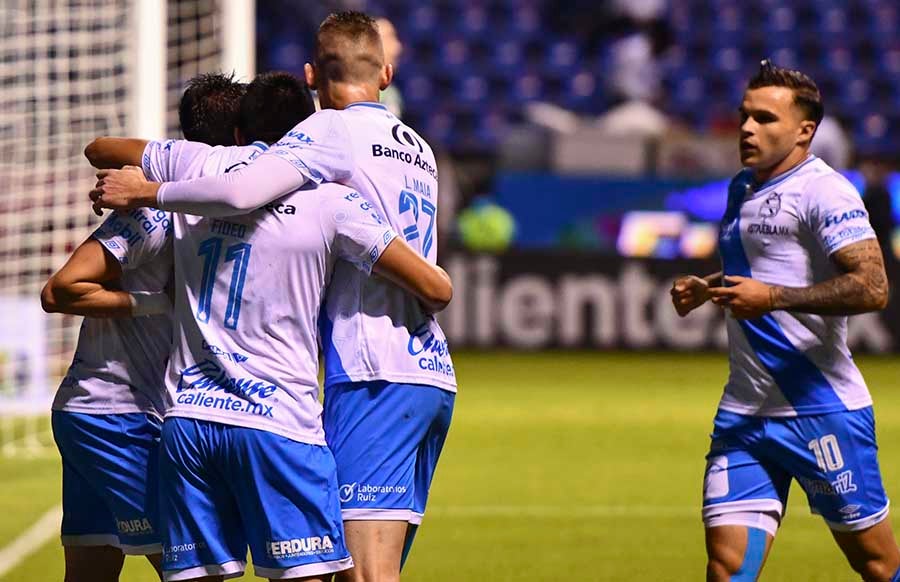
(239, 254)
(827, 452)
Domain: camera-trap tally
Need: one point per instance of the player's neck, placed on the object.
(794, 159)
(342, 95)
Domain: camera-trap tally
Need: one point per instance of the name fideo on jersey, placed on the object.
(372, 330)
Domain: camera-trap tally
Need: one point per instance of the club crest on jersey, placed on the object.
(771, 206)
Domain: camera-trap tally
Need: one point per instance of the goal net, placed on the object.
(68, 72)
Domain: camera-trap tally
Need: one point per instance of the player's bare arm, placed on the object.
(862, 287)
(115, 152)
(86, 285)
(404, 267)
(690, 292)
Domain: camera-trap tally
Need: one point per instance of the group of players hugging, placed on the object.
(189, 423)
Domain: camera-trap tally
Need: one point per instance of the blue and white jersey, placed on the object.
(372, 329)
(783, 232)
(119, 363)
(249, 291)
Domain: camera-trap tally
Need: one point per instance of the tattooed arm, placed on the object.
(862, 286)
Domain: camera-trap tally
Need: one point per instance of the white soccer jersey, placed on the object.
(249, 291)
(119, 363)
(371, 329)
(782, 233)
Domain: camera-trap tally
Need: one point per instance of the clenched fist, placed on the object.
(689, 293)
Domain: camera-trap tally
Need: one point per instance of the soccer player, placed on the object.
(389, 379)
(108, 409)
(243, 458)
(798, 257)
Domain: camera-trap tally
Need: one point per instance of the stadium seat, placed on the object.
(472, 89)
(875, 134)
(562, 56)
(782, 20)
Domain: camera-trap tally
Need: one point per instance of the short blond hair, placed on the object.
(348, 48)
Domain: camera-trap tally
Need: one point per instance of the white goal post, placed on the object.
(71, 70)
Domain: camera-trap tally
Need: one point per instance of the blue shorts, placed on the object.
(110, 464)
(386, 439)
(833, 457)
(224, 488)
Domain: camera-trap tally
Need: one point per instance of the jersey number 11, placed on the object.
(239, 254)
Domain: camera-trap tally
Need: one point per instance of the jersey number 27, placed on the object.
(409, 203)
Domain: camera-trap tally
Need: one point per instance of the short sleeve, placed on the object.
(319, 147)
(835, 213)
(173, 160)
(358, 233)
(136, 237)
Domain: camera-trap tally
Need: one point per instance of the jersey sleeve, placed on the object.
(358, 233)
(136, 237)
(835, 214)
(171, 159)
(319, 147)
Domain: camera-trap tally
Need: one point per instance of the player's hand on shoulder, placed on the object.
(745, 298)
(120, 189)
(689, 293)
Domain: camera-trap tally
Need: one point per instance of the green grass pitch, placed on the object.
(559, 466)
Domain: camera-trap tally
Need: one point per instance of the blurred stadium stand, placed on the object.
(470, 67)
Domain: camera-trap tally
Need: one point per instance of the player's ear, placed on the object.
(387, 75)
(807, 131)
(310, 73)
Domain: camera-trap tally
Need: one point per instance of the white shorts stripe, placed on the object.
(90, 540)
(746, 505)
(304, 570)
(380, 515)
(231, 569)
(862, 523)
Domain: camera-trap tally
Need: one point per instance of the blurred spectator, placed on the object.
(634, 71)
(832, 144)
(635, 78)
(640, 10)
(877, 198)
(393, 48)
